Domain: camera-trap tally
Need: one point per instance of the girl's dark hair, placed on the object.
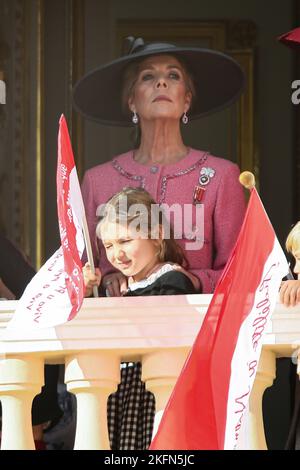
(168, 248)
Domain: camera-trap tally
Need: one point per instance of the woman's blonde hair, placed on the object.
(141, 204)
(293, 240)
(130, 78)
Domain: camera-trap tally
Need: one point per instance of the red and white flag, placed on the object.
(56, 292)
(208, 403)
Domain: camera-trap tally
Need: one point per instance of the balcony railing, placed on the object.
(158, 331)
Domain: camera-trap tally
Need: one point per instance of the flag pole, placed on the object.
(247, 179)
(89, 250)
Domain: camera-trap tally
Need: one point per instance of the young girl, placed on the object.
(133, 234)
(136, 244)
(290, 290)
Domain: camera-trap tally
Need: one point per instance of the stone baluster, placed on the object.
(21, 378)
(160, 371)
(92, 377)
(265, 376)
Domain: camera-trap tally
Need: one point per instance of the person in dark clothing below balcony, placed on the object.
(15, 273)
(139, 242)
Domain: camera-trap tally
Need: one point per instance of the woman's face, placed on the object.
(128, 251)
(160, 90)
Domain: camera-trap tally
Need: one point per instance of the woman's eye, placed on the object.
(107, 247)
(174, 75)
(147, 76)
(125, 241)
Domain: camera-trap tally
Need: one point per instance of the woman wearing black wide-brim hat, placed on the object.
(217, 78)
(158, 88)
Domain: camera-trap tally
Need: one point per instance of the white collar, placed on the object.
(152, 278)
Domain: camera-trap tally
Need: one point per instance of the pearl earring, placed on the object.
(135, 118)
(185, 119)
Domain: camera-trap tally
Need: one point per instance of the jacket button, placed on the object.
(154, 169)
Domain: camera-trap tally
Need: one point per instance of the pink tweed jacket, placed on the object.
(223, 201)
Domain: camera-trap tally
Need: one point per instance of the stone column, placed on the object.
(21, 378)
(159, 372)
(92, 377)
(265, 376)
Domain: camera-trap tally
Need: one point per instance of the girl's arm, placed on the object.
(90, 279)
(115, 284)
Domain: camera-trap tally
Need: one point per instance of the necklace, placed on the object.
(143, 160)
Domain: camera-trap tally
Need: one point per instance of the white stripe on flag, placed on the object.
(248, 347)
(55, 293)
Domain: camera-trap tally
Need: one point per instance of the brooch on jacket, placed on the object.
(205, 176)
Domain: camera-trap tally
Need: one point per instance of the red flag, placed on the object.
(208, 402)
(71, 212)
(56, 292)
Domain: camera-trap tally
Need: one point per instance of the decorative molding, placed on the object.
(14, 123)
(19, 189)
(241, 34)
(40, 153)
(3, 180)
(2, 88)
(73, 11)
(76, 69)
(3, 176)
(22, 118)
(4, 186)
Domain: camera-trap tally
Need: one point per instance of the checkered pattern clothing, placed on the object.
(130, 411)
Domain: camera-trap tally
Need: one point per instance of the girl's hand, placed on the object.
(196, 282)
(115, 284)
(290, 293)
(90, 279)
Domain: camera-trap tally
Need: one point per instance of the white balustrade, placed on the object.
(158, 331)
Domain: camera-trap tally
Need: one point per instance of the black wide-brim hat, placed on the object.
(218, 81)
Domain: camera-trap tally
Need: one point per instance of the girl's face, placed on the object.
(296, 255)
(133, 256)
(160, 90)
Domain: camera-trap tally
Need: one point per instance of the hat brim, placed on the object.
(218, 80)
